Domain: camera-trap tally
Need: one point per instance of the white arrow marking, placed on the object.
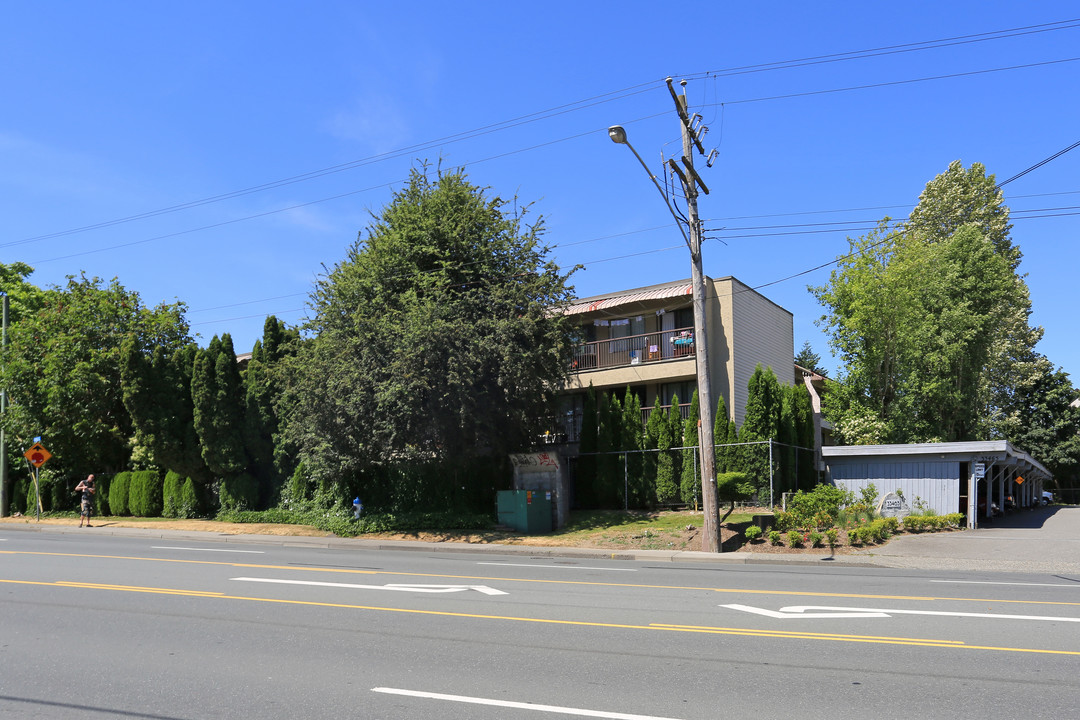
(557, 709)
(800, 611)
(789, 613)
(399, 588)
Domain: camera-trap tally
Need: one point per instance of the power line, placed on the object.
(895, 49)
(563, 109)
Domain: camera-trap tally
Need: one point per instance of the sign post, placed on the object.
(37, 456)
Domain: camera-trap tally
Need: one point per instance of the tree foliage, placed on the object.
(434, 338)
(929, 318)
(62, 368)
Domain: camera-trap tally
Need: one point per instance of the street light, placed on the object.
(711, 525)
(618, 135)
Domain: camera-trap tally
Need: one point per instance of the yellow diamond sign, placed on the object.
(37, 455)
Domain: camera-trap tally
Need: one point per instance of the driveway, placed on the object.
(1043, 540)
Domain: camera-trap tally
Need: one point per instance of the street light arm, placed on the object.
(620, 138)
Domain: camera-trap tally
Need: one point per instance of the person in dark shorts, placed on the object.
(88, 490)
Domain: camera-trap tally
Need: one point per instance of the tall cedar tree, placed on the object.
(761, 422)
(609, 463)
(654, 430)
(219, 408)
(435, 338)
(723, 451)
(156, 385)
(690, 485)
(262, 394)
(633, 441)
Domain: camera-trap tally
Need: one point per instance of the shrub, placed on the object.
(822, 499)
(854, 516)
(954, 519)
(914, 523)
(794, 539)
(879, 530)
(868, 496)
(101, 497)
(816, 538)
(891, 524)
(144, 493)
(170, 494)
(832, 534)
(752, 533)
(240, 492)
(118, 493)
(785, 521)
(190, 504)
(775, 537)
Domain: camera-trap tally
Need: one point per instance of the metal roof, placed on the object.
(1001, 449)
(606, 302)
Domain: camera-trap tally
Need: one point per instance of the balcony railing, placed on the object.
(634, 350)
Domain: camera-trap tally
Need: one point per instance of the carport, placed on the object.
(967, 477)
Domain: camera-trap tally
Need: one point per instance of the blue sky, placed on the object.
(112, 110)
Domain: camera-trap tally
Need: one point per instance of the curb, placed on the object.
(336, 543)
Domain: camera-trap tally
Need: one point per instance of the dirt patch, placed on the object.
(214, 526)
(683, 538)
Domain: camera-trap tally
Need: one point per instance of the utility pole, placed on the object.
(691, 181)
(5, 501)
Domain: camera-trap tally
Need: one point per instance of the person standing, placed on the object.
(88, 490)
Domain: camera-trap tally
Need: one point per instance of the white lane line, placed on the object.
(169, 547)
(519, 705)
(558, 567)
(989, 582)
(484, 589)
(828, 612)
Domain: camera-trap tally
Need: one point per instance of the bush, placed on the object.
(101, 497)
(170, 494)
(118, 493)
(832, 535)
(191, 504)
(240, 492)
(816, 539)
(794, 539)
(145, 494)
(752, 533)
(785, 521)
(775, 537)
(822, 499)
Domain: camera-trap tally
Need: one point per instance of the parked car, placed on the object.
(1047, 497)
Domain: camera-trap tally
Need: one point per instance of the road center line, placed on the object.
(559, 567)
(518, 705)
(169, 547)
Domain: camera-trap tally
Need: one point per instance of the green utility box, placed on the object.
(527, 511)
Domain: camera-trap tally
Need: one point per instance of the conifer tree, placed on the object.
(690, 486)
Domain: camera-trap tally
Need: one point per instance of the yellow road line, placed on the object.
(488, 578)
(747, 632)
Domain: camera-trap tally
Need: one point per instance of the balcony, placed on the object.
(634, 350)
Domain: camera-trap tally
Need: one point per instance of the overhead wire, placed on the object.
(565, 108)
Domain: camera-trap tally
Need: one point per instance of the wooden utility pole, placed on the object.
(691, 181)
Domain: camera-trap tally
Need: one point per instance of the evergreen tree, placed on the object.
(667, 479)
(654, 429)
(633, 441)
(219, 408)
(675, 428)
(690, 486)
(720, 431)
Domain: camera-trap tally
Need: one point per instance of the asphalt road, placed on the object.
(188, 627)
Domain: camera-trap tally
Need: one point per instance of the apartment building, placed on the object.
(643, 339)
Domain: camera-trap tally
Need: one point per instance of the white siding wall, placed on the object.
(935, 483)
(764, 334)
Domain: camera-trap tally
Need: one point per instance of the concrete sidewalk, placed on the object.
(1044, 540)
